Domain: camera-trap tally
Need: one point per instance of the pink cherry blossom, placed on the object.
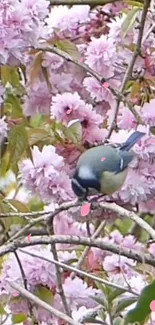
(67, 107)
(97, 91)
(45, 174)
(148, 112)
(126, 119)
(152, 249)
(21, 25)
(37, 100)
(117, 264)
(101, 54)
(67, 19)
(78, 294)
(135, 189)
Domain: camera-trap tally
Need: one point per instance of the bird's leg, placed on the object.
(96, 198)
(88, 228)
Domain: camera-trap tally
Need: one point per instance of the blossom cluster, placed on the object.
(75, 95)
(45, 175)
(21, 26)
(54, 91)
(41, 273)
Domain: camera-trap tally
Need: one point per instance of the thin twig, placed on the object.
(50, 229)
(43, 216)
(45, 47)
(39, 302)
(59, 281)
(130, 215)
(86, 2)
(24, 280)
(75, 240)
(80, 272)
(129, 71)
(86, 250)
(21, 270)
(104, 205)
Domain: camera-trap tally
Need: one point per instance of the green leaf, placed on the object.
(19, 318)
(4, 164)
(10, 74)
(118, 321)
(37, 135)
(92, 320)
(142, 309)
(2, 310)
(68, 47)
(14, 106)
(134, 3)
(101, 301)
(21, 207)
(3, 147)
(100, 286)
(36, 120)
(8, 222)
(17, 145)
(115, 293)
(124, 303)
(74, 132)
(44, 294)
(129, 21)
(124, 227)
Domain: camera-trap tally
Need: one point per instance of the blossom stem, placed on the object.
(128, 73)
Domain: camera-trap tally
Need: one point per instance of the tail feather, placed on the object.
(133, 138)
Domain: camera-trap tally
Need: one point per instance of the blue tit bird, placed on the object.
(103, 169)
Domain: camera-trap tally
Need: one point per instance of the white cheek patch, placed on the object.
(121, 163)
(76, 183)
(85, 173)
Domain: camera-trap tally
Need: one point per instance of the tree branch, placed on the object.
(122, 212)
(75, 240)
(43, 216)
(128, 73)
(26, 294)
(45, 47)
(80, 272)
(86, 2)
(130, 215)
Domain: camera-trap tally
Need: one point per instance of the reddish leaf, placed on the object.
(36, 67)
(85, 209)
(28, 238)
